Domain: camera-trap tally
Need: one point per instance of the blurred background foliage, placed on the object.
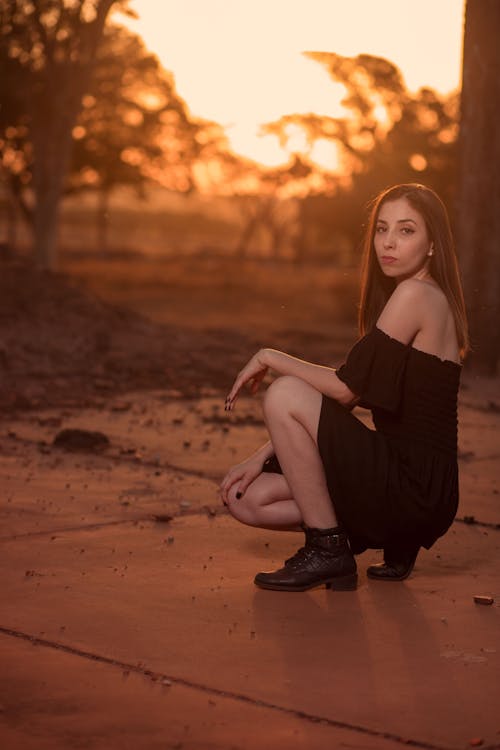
(91, 125)
(130, 128)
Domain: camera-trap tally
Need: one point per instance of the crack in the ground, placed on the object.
(63, 530)
(473, 521)
(230, 694)
(152, 518)
(205, 511)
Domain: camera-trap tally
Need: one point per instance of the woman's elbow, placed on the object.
(346, 397)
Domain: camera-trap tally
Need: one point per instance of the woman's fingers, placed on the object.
(254, 383)
(231, 478)
(233, 394)
(244, 483)
(253, 373)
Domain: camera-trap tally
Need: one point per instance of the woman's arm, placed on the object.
(324, 379)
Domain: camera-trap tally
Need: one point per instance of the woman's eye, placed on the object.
(407, 230)
(380, 229)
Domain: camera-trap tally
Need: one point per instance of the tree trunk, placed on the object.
(56, 101)
(51, 151)
(478, 221)
(12, 223)
(300, 239)
(102, 223)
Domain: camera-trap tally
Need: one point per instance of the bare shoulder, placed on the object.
(411, 306)
(419, 290)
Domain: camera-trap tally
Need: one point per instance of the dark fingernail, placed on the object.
(238, 495)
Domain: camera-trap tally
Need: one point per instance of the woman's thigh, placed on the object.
(291, 395)
(267, 488)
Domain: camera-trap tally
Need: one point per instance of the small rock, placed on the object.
(121, 406)
(128, 451)
(81, 440)
(184, 504)
(166, 682)
(480, 599)
(476, 742)
(162, 517)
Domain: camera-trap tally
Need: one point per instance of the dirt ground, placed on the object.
(129, 617)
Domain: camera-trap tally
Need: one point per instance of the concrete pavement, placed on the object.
(129, 617)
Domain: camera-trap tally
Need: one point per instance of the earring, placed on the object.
(430, 251)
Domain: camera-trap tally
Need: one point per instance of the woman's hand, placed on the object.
(242, 474)
(253, 373)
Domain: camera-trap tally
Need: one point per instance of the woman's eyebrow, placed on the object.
(399, 221)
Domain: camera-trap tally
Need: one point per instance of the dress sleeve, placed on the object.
(374, 370)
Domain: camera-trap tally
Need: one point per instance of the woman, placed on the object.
(351, 488)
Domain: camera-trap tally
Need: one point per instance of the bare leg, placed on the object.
(267, 503)
(292, 409)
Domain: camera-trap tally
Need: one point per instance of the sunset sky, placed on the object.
(239, 62)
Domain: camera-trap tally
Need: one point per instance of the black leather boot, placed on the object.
(325, 559)
(397, 565)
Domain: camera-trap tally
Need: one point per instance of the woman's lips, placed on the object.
(387, 259)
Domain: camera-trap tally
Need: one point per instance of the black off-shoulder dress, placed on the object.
(397, 484)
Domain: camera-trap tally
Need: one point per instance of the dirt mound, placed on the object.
(60, 344)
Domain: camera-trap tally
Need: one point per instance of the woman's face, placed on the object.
(401, 241)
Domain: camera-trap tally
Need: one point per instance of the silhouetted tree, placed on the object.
(478, 219)
(47, 52)
(390, 135)
(133, 125)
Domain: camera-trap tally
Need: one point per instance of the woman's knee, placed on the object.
(282, 393)
(246, 507)
(241, 507)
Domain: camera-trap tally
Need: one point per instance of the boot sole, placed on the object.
(342, 583)
(375, 577)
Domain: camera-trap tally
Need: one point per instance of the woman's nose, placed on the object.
(388, 239)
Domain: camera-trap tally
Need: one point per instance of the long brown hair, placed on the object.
(376, 288)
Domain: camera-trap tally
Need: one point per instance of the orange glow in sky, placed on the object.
(239, 62)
